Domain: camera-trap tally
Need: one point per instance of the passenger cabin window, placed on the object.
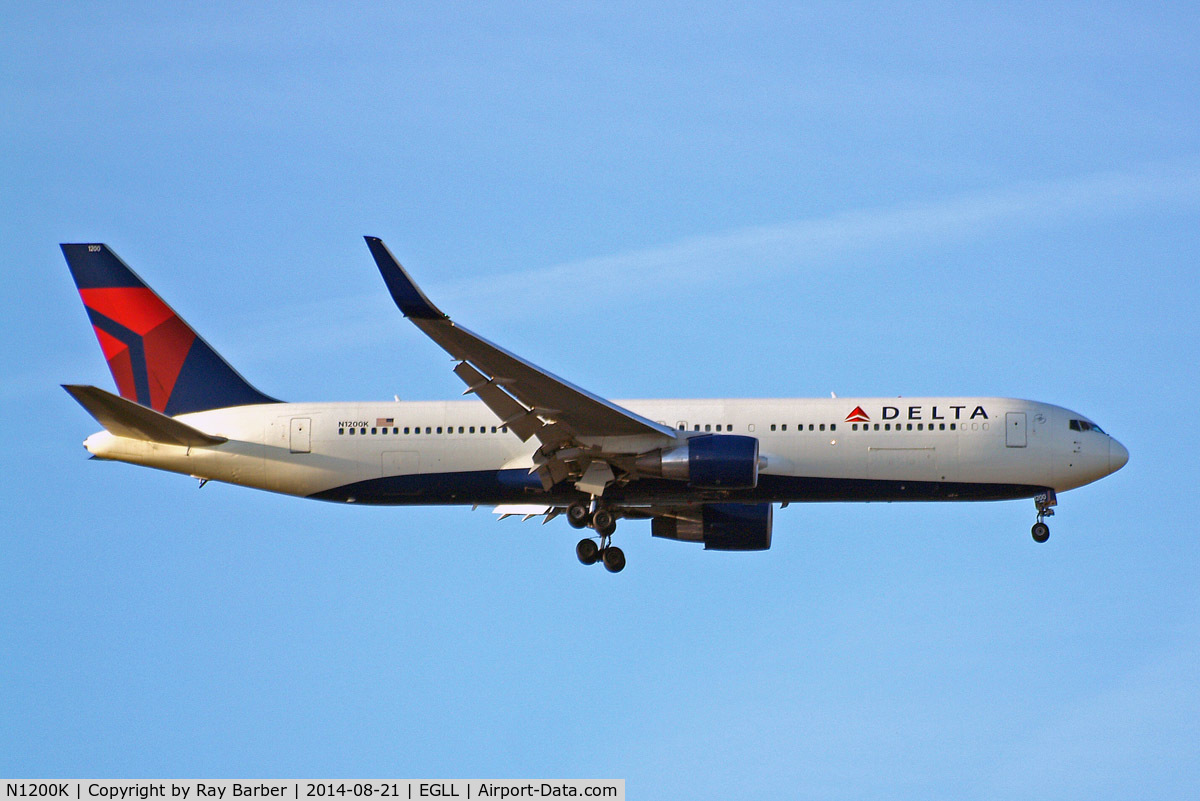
(783, 427)
(772, 426)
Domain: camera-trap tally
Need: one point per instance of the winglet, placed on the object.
(125, 418)
(405, 292)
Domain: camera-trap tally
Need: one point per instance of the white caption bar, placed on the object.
(312, 790)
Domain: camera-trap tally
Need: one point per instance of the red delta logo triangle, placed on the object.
(857, 416)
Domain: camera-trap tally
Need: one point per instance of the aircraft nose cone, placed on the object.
(1117, 456)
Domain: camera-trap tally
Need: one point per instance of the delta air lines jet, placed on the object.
(531, 443)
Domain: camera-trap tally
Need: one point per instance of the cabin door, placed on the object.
(1014, 428)
(301, 439)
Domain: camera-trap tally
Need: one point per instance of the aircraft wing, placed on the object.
(526, 398)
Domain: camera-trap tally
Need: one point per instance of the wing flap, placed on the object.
(124, 418)
(526, 511)
(503, 405)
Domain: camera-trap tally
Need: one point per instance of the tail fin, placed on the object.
(155, 357)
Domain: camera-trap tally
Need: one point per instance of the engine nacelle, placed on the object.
(710, 461)
(721, 527)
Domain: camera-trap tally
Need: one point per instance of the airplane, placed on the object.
(531, 443)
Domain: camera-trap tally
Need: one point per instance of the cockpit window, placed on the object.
(1084, 425)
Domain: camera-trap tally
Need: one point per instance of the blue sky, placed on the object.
(667, 200)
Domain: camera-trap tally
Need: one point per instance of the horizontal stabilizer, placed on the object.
(124, 418)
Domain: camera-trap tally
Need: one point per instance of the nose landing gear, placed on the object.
(1045, 504)
(604, 523)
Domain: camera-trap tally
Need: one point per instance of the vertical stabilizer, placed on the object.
(155, 357)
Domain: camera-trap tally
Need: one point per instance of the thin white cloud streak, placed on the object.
(773, 248)
(701, 262)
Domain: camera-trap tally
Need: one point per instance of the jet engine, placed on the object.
(709, 461)
(721, 527)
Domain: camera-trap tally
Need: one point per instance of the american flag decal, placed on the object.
(384, 421)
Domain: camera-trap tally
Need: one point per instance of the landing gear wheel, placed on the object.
(1045, 504)
(614, 559)
(604, 523)
(588, 551)
(578, 515)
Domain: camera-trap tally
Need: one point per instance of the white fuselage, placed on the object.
(811, 449)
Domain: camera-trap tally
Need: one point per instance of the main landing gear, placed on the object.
(1045, 504)
(604, 523)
